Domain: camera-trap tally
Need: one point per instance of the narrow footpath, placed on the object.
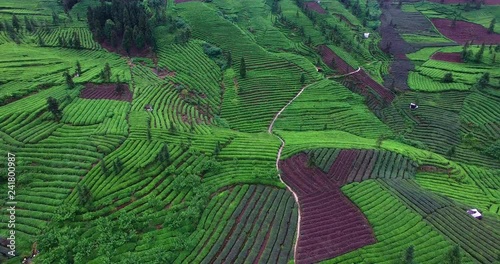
(278, 157)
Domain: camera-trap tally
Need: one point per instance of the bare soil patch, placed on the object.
(315, 7)
(465, 31)
(450, 57)
(105, 91)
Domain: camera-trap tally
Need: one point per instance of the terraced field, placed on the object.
(249, 131)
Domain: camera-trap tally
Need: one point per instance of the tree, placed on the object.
(27, 24)
(76, 41)
(453, 256)
(40, 41)
(104, 168)
(451, 152)
(127, 40)
(302, 78)
(408, 258)
(69, 80)
(55, 18)
(243, 68)
(217, 148)
(311, 159)
(106, 73)
(479, 54)
(229, 59)
(15, 23)
(164, 155)
(448, 77)
(484, 80)
(491, 28)
(119, 88)
(78, 68)
(53, 107)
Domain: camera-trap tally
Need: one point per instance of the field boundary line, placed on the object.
(278, 157)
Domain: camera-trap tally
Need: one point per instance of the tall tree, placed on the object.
(69, 79)
(78, 68)
(243, 68)
(302, 78)
(15, 23)
(409, 255)
(106, 73)
(491, 28)
(76, 40)
(479, 54)
(53, 107)
(453, 256)
(127, 40)
(119, 88)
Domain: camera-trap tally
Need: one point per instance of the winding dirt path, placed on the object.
(278, 157)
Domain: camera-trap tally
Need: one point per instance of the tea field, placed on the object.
(253, 131)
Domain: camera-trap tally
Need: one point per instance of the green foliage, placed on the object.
(243, 68)
(53, 107)
(448, 77)
(493, 150)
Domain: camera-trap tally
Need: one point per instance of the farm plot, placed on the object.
(436, 123)
(361, 79)
(315, 7)
(368, 164)
(465, 31)
(396, 228)
(449, 57)
(261, 229)
(106, 91)
(466, 193)
(329, 105)
(53, 166)
(270, 83)
(479, 240)
(330, 224)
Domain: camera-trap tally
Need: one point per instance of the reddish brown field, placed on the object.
(105, 91)
(331, 225)
(361, 78)
(315, 7)
(465, 31)
(486, 2)
(450, 57)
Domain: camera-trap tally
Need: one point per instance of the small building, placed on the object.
(413, 106)
(319, 69)
(366, 35)
(148, 108)
(475, 213)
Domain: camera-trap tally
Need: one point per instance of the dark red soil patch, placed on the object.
(486, 2)
(162, 73)
(105, 91)
(315, 7)
(465, 31)
(331, 225)
(450, 57)
(360, 79)
(134, 52)
(347, 21)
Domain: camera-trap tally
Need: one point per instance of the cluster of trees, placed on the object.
(121, 23)
(68, 4)
(452, 257)
(468, 55)
(71, 42)
(224, 60)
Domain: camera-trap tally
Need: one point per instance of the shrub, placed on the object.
(448, 77)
